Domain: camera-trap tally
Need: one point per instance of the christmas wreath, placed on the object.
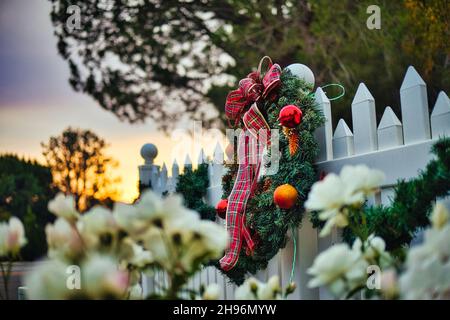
(261, 210)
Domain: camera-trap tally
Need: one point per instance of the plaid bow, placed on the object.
(251, 89)
(250, 145)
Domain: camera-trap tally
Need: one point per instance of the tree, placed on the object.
(140, 58)
(80, 167)
(193, 186)
(25, 189)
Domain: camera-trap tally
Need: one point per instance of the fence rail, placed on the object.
(399, 149)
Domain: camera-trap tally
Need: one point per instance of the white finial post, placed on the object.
(414, 103)
(148, 153)
(364, 121)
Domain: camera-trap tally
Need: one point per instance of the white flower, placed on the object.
(152, 240)
(253, 289)
(331, 195)
(373, 249)
(12, 237)
(156, 211)
(135, 292)
(214, 237)
(127, 218)
(426, 280)
(103, 279)
(333, 218)
(183, 241)
(427, 267)
(248, 290)
(271, 290)
(150, 211)
(360, 178)
(212, 292)
(16, 235)
(64, 207)
(339, 268)
(440, 216)
(47, 281)
(140, 257)
(96, 225)
(63, 240)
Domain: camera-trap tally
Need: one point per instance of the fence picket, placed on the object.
(390, 133)
(342, 141)
(324, 134)
(440, 117)
(364, 121)
(414, 106)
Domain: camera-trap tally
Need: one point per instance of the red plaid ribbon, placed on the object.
(251, 89)
(250, 145)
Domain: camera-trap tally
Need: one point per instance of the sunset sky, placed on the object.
(36, 100)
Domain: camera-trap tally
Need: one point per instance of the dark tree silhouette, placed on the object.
(25, 189)
(169, 59)
(80, 167)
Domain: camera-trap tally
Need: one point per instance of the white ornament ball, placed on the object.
(302, 71)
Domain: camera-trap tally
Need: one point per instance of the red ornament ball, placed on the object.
(221, 208)
(290, 116)
(285, 196)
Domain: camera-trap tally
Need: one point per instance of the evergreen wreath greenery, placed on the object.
(398, 223)
(193, 185)
(268, 223)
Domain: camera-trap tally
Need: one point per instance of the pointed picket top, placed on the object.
(175, 169)
(218, 154)
(362, 94)
(201, 157)
(164, 168)
(442, 105)
(389, 119)
(320, 96)
(412, 79)
(187, 161)
(342, 130)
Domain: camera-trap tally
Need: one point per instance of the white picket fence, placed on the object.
(399, 149)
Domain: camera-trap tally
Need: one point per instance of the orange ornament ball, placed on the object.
(285, 196)
(221, 208)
